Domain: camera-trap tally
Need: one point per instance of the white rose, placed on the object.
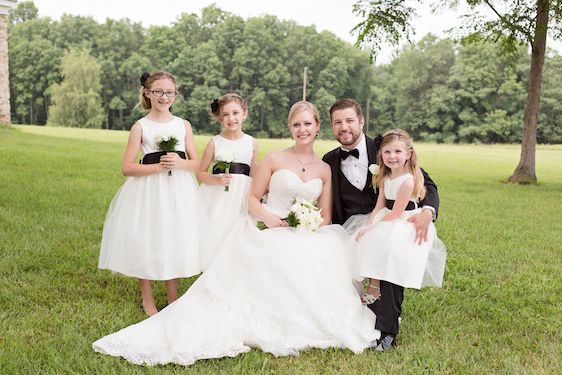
(226, 156)
(374, 169)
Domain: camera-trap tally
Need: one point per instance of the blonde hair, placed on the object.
(147, 79)
(411, 164)
(302, 106)
(217, 104)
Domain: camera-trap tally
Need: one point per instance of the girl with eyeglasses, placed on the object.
(151, 230)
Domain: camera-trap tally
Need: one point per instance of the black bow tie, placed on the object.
(344, 154)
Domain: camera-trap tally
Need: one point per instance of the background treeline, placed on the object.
(437, 90)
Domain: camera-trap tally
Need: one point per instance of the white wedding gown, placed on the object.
(281, 290)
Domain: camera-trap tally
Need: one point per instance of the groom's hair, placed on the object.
(346, 103)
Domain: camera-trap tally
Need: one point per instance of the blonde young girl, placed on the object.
(151, 229)
(224, 191)
(386, 247)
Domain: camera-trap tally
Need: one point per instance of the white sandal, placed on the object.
(367, 298)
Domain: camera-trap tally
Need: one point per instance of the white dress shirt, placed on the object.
(355, 170)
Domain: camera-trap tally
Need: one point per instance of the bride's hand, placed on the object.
(274, 221)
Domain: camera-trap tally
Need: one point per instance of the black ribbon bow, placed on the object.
(344, 154)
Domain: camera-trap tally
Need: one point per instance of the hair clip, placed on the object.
(215, 106)
(143, 78)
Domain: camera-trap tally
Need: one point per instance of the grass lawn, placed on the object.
(499, 311)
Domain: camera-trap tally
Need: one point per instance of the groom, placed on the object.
(353, 194)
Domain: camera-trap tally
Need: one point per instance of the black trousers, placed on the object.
(388, 308)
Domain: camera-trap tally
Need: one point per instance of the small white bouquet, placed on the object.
(302, 214)
(166, 142)
(223, 160)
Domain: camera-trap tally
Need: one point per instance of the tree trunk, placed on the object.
(31, 101)
(525, 171)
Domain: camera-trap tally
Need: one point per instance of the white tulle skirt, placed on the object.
(151, 230)
(280, 290)
(225, 210)
(388, 251)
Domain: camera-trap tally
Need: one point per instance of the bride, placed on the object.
(281, 289)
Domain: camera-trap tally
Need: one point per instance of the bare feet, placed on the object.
(149, 308)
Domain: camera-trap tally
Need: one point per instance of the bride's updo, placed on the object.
(302, 106)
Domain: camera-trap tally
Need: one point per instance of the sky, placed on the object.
(332, 15)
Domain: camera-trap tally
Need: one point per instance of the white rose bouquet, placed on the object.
(223, 160)
(305, 215)
(302, 214)
(166, 142)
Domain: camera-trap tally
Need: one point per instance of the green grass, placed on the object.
(499, 311)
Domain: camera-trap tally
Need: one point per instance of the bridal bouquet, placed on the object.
(305, 215)
(223, 160)
(166, 142)
(302, 214)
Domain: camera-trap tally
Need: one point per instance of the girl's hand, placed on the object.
(224, 179)
(274, 221)
(361, 232)
(171, 161)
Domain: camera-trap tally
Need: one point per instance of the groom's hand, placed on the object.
(421, 222)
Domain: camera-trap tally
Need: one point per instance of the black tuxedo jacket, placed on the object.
(333, 159)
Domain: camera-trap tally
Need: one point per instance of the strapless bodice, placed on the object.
(285, 186)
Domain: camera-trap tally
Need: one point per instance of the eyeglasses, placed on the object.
(158, 92)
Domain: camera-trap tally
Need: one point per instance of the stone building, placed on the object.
(5, 6)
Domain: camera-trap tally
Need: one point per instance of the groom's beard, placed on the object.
(348, 139)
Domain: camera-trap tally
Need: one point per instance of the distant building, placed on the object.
(5, 6)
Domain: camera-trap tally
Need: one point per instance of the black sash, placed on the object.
(154, 157)
(390, 203)
(235, 168)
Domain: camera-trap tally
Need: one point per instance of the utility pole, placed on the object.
(304, 84)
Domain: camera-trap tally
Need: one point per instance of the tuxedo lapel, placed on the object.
(371, 157)
(336, 168)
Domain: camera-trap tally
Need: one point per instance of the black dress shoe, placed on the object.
(385, 343)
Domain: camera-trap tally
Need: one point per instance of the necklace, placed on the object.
(300, 162)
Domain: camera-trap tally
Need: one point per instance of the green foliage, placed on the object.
(210, 53)
(498, 311)
(24, 11)
(445, 93)
(76, 100)
(436, 89)
(383, 21)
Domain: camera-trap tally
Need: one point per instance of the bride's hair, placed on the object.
(412, 164)
(302, 106)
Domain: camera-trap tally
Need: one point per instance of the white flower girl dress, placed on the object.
(151, 229)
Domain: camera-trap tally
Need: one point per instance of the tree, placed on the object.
(77, 99)
(516, 22)
(24, 11)
(34, 62)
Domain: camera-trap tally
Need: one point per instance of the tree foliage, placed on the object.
(76, 100)
(515, 23)
(437, 89)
